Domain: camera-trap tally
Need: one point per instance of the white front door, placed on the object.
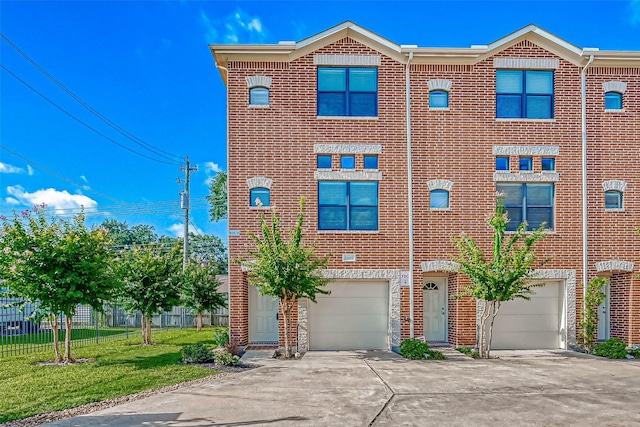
(263, 317)
(435, 309)
(603, 316)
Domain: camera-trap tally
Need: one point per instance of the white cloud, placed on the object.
(634, 16)
(84, 178)
(29, 170)
(178, 229)
(11, 201)
(53, 198)
(210, 170)
(7, 168)
(237, 27)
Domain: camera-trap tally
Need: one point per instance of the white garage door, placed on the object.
(533, 324)
(355, 316)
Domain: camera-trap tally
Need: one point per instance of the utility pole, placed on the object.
(184, 204)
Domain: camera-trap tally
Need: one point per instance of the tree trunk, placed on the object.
(68, 358)
(495, 306)
(53, 321)
(285, 320)
(199, 321)
(143, 329)
(486, 312)
(149, 324)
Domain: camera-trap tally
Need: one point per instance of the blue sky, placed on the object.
(146, 67)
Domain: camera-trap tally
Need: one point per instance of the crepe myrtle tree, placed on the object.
(56, 265)
(150, 277)
(200, 290)
(503, 277)
(284, 267)
(218, 197)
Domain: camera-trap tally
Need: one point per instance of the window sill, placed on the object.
(498, 119)
(440, 209)
(347, 117)
(439, 109)
(370, 170)
(548, 231)
(259, 106)
(348, 231)
(614, 209)
(259, 208)
(614, 110)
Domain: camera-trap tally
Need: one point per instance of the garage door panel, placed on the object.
(355, 316)
(530, 324)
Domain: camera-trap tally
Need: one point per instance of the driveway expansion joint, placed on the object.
(389, 389)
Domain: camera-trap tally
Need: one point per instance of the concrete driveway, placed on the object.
(381, 389)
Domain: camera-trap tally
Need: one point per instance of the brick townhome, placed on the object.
(327, 118)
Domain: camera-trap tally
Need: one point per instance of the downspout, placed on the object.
(410, 195)
(585, 262)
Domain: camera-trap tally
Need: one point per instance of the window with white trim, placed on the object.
(530, 203)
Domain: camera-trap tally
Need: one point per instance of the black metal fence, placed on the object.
(20, 333)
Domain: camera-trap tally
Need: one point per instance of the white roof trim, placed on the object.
(348, 25)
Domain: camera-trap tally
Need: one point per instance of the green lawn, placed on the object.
(76, 334)
(122, 367)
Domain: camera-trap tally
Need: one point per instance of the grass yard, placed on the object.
(122, 367)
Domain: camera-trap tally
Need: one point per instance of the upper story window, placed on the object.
(438, 99)
(502, 163)
(524, 94)
(439, 199)
(259, 197)
(347, 205)
(370, 162)
(526, 164)
(259, 96)
(613, 199)
(324, 161)
(613, 101)
(347, 91)
(347, 162)
(548, 163)
(530, 203)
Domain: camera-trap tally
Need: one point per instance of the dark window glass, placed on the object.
(613, 101)
(439, 199)
(259, 197)
(347, 91)
(371, 162)
(438, 99)
(613, 199)
(524, 94)
(530, 203)
(259, 96)
(548, 164)
(502, 163)
(526, 163)
(347, 205)
(324, 161)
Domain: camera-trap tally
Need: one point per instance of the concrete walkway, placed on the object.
(382, 389)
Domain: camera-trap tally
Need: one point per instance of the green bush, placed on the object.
(225, 358)
(612, 348)
(221, 337)
(469, 352)
(635, 352)
(436, 355)
(196, 353)
(413, 348)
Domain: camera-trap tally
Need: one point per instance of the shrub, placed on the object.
(221, 337)
(225, 358)
(196, 353)
(414, 348)
(634, 351)
(469, 352)
(234, 348)
(436, 355)
(612, 348)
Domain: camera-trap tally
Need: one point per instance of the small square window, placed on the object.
(502, 163)
(324, 161)
(613, 101)
(613, 199)
(259, 96)
(347, 162)
(260, 197)
(439, 199)
(371, 162)
(438, 99)
(548, 164)
(526, 163)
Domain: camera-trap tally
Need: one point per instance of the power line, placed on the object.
(83, 123)
(156, 150)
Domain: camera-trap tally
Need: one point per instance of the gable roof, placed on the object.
(289, 51)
